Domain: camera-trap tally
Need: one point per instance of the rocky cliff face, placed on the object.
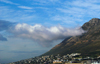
(87, 44)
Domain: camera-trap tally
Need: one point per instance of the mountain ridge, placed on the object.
(87, 43)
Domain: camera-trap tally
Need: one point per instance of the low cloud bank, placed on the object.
(44, 35)
(39, 33)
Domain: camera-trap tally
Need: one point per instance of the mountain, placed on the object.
(88, 44)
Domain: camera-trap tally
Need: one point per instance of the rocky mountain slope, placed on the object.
(86, 44)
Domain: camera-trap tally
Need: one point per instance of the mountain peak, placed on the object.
(86, 44)
(93, 22)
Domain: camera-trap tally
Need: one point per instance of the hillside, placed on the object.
(86, 44)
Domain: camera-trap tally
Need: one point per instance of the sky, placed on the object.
(29, 28)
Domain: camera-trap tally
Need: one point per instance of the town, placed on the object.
(74, 58)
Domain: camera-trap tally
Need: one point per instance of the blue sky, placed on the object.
(29, 28)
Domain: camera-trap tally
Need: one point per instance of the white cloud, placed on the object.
(44, 35)
(88, 4)
(44, 2)
(25, 7)
(77, 11)
(9, 2)
(9, 14)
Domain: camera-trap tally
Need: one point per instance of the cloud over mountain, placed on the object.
(39, 33)
(44, 35)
